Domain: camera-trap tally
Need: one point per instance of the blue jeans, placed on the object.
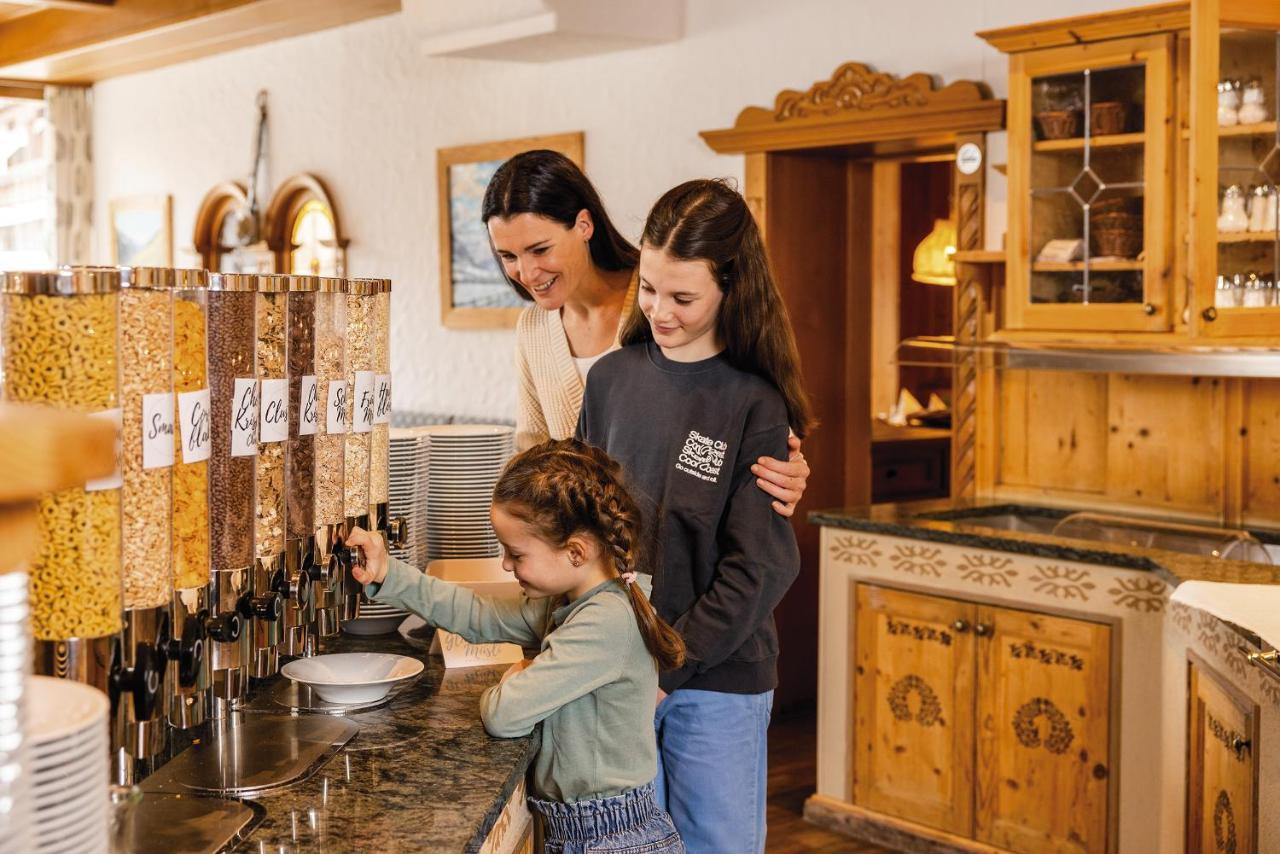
(713, 762)
(630, 822)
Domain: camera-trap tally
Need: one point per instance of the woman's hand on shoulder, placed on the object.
(373, 569)
(784, 480)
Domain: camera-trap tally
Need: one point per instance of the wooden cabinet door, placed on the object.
(1043, 727)
(913, 707)
(1222, 738)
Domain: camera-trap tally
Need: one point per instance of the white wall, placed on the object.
(363, 107)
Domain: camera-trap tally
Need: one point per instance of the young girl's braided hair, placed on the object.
(562, 488)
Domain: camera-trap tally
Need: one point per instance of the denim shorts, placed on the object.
(630, 823)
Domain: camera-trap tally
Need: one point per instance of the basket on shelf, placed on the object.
(1108, 117)
(1116, 233)
(1059, 124)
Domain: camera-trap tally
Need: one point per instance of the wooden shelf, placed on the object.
(1259, 129)
(1115, 140)
(979, 256)
(1094, 266)
(1246, 237)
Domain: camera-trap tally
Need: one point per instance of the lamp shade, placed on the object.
(932, 264)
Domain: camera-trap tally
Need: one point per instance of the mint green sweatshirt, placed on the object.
(593, 686)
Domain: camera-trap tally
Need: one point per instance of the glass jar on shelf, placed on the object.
(1253, 100)
(1233, 216)
(1228, 103)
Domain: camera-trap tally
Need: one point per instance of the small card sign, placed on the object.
(364, 403)
(459, 653)
(336, 407)
(308, 407)
(113, 480)
(244, 418)
(157, 430)
(193, 425)
(382, 408)
(275, 411)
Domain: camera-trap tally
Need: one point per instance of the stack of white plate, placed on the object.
(408, 490)
(15, 760)
(67, 753)
(466, 460)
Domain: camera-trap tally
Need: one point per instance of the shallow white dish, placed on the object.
(57, 708)
(353, 677)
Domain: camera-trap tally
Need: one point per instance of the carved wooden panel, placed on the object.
(967, 328)
(1222, 746)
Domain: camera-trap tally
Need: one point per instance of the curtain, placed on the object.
(71, 175)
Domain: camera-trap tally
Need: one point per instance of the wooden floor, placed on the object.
(792, 770)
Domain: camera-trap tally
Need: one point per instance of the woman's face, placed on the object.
(542, 256)
(681, 301)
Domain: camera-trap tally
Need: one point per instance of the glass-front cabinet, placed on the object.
(1090, 141)
(1234, 155)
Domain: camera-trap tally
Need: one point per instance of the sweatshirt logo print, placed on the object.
(701, 457)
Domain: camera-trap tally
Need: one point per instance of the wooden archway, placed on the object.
(214, 208)
(816, 164)
(289, 200)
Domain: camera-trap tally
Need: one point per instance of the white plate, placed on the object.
(60, 707)
(353, 677)
(448, 430)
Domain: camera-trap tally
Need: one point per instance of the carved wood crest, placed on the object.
(855, 87)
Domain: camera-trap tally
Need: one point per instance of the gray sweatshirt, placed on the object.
(593, 686)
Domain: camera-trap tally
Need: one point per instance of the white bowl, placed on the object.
(352, 677)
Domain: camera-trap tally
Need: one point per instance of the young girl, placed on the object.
(559, 250)
(568, 530)
(707, 382)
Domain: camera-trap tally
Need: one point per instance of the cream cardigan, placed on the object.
(550, 388)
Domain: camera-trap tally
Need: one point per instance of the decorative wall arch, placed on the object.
(211, 217)
(297, 197)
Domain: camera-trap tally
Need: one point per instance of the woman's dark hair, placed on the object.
(706, 220)
(550, 185)
(565, 488)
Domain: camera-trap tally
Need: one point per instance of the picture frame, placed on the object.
(474, 293)
(141, 231)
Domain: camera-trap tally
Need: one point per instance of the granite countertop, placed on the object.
(943, 521)
(422, 774)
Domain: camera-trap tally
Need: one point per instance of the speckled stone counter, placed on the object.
(945, 521)
(421, 775)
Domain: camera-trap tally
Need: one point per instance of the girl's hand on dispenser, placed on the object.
(374, 568)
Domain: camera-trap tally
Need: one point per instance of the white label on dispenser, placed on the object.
(308, 407)
(194, 418)
(157, 430)
(275, 411)
(244, 418)
(364, 403)
(113, 480)
(337, 407)
(382, 402)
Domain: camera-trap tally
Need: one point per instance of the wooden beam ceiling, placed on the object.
(63, 41)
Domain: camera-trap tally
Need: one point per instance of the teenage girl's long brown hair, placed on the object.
(707, 220)
(566, 488)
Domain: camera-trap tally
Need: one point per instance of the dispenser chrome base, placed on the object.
(189, 704)
(86, 660)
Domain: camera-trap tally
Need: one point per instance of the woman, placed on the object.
(559, 249)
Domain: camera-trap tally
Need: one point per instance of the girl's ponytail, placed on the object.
(567, 487)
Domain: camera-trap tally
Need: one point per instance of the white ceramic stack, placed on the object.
(67, 753)
(465, 461)
(15, 761)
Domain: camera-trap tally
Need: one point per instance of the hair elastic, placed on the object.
(628, 578)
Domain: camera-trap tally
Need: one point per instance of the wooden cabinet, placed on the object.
(909, 463)
(1090, 142)
(987, 723)
(1222, 782)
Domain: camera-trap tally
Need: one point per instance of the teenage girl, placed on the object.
(569, 533)
(559, 250)
(708, 382)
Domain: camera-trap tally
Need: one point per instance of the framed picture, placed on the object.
(474, 293)
(142, 231)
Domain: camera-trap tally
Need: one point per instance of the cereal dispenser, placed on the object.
(380, 436)
(268, 584)
(58, 331)
(189, 675)
(233, 405)
(300, 461)
(361, 394)
(145, 355)
(330, 450)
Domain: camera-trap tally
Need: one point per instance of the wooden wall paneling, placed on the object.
(1054, 431)
(1165, 442)
(1009, 444)
(858, 313)
(886, 209)
(806, 206)
(1234, 436)
(1261, 453)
